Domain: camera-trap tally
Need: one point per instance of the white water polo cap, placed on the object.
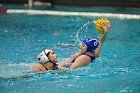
(43, 56)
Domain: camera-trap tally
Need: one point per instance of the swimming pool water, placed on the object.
(23, 37)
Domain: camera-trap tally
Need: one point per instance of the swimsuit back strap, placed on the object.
(74, 60)
(44, 66)
(91, 57)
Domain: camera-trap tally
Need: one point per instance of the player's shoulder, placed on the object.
(37, 67)
(84, 57)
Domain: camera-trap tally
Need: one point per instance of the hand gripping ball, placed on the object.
(101, 22)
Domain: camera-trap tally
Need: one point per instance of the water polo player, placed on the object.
(47, 61)
(90, 49)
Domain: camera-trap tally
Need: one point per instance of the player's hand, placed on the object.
(106, 27)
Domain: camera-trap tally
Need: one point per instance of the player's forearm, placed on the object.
(70, 58)
(102, 38)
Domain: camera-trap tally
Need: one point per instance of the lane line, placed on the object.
(66, 13)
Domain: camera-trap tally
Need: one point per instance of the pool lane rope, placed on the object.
(66, 13)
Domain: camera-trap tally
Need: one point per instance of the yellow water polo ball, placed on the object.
(101, 22)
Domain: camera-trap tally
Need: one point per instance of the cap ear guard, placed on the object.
(42, 57)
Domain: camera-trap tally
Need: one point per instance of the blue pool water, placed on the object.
(23, 37)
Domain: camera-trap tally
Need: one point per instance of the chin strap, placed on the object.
(54, 67)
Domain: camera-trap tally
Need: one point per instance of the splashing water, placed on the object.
(85, 30)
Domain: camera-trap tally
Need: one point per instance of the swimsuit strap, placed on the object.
(44, 66)
(69, 64)
(91, 57)
(74, 60)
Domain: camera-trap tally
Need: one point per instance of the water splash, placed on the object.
(85, 30)
(15, 70)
